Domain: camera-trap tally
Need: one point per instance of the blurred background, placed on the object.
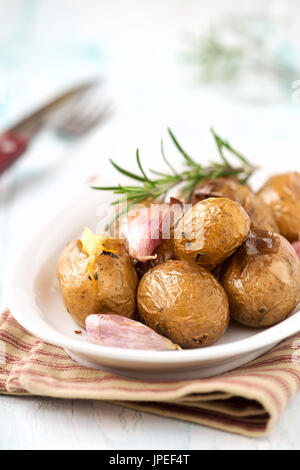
(187, 64)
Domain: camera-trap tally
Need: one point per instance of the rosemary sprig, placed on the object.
(193, 173)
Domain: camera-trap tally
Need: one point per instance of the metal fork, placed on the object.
(72, 113)
(83, 113)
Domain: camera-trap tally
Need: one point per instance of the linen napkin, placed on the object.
(247, 400)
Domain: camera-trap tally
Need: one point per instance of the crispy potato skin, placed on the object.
(113, 289)
(185, 303)
(262, 280)
(261, 215)
(282, 194)
(210, 231)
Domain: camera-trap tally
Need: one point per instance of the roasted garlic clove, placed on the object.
(121, 332)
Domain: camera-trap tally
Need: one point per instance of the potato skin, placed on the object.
(183, 302)
(260, 214)
(210, 231)
(262, 280)
(113, 289)
(282, 194)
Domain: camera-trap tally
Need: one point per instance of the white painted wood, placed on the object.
(34, 423)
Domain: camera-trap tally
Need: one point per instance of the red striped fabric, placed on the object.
(247, 401)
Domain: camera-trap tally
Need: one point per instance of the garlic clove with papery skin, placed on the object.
(296, 245)
(146, 226)
(121, 332)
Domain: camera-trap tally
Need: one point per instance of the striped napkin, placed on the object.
(246, 401)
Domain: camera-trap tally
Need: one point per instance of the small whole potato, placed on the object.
(183, 302)
(282, 194)
(262, 280)
(260, 214)
(105, 284)
(210, 231)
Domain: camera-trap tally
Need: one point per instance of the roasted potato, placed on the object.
(262, 280)
(282, 194)
(210, 231)
(105, 282)
(260, 214)
(183, 302)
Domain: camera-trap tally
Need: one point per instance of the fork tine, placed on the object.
(82, 123)
(83, 113)
(79, 113)
(89, 121)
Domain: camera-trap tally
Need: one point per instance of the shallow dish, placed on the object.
(35, 301)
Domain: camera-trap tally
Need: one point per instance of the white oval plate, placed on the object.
(35, 301)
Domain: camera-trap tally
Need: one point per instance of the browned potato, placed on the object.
(210, 231)
(262, 280)
(164, 252)
(183, 302)
(282, 194)
(260, 214)
(105, 284)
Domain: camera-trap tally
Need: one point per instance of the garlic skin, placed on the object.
(146, 226)
(141, 229)
(121, 332)
(296, 245)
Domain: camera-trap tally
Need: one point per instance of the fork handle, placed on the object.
(12, 146)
